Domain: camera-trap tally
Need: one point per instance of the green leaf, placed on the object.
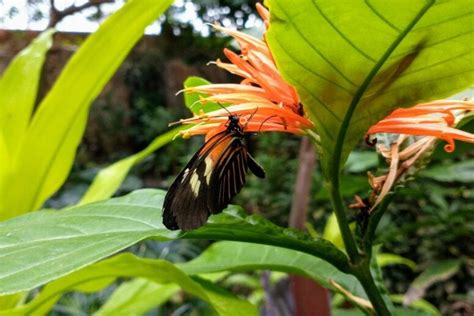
(419, 304)
(353, 64)
(19, 87)
(385, 259)
(136, 297)
(18, 90)
(192, 99)
(109, 179)
(100, 275)
(12, 300)
(236, 226)
(436, 272)
(47, 151)
(240, 256)
(359, 161)
(42, 246)
(332, 233)
(454, 172)
(376, 272)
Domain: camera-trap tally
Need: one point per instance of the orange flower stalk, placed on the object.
(435, 119)
(262, 100)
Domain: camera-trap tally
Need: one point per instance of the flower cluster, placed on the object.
(263, 100)
(429, 122)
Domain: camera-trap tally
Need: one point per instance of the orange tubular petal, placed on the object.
(233, 69)
(434, 119)
(226, 88)
(264, 14)
(236, 98)
(448, 134)
(243, 39)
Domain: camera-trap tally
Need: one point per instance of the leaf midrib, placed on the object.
(30, 243)
(337, 153)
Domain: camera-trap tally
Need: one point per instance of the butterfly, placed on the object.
(210, 180)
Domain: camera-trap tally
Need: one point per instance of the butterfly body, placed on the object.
(214, 175)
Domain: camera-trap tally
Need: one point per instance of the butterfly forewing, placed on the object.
(228, 177)
(185, 206)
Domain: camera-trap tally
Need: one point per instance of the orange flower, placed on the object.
(262, 100)
(432, 121)
(435, 119)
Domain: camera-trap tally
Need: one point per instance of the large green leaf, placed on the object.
(136, 297)
(353, 64)
(100, 275)
(109, 179)
(46, 153)
(18, 90)
(240, 256)
(19, 87)
(42, 246)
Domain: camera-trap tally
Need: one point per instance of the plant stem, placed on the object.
(335, 167)
(362, 272)
(338, 207)
(374, 220)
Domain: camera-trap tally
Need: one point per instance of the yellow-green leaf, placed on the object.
(352, 64)
(46, 154)
(136, 297)
(19, 87)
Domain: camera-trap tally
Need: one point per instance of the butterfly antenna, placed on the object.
(250, 117)
(270, 117)
(224, 108)
(264, 121)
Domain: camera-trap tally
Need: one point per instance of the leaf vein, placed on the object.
(316, 50)
(341, 34)
(380, 15)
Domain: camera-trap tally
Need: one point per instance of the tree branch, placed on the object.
(55, 16)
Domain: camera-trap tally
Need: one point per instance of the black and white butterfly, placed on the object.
(215, 174)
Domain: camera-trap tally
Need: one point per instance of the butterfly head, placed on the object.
(233, 125)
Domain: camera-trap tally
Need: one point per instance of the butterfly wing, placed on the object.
(228, 177)
(185, 206)
(230, 173)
